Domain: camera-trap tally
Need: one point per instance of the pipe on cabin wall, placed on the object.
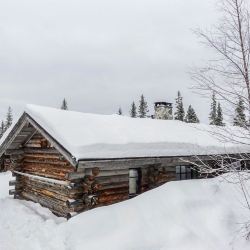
(71, 215)
(133, 178)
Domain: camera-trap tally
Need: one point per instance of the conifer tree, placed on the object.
(64, 105)
(2, 129)
(191, 116)
(119, 111)
(179, 113)
(240, 117)
(9, 119)
(219, 116)
(143, 107)
(213, 112)
(133, 110)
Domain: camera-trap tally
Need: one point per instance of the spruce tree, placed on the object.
(179, 113)
(9, 119)
(219, 116)
(133, 110)
(240, 117)
(213, 112)
(2, 129)
(64, 105)
(191, 116)
(119, 111)
(143, 107)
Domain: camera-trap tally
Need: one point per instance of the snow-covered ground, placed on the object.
(187, 215)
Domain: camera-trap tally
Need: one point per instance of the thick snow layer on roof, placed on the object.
(114, 136)
(182, 215)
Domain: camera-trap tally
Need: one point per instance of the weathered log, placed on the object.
(44, 201)
(47, 151)
(12, 191)
(74, 176)
(48, 165)
(72, 203)
(14, 151)
(13, 174)
(46, 192)
(12, 183)
(115, 164)
(45, 168)
(71, 215)
(52, 163)
(113, 191)
(107, 173)
(44, 156)
(55, 176)
(112, 198)
(72, 192)
(105, 186)
(65, 183)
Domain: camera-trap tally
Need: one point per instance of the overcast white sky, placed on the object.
(100, 54)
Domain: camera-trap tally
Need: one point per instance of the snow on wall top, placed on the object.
(114, 136)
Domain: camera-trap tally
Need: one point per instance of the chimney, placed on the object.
(163, 111)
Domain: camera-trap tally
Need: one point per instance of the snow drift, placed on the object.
(185, 215)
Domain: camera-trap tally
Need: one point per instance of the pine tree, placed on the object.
(191, 116)
(119, 111)
(240, 117)
(64, 105)
(2, 129)
(9, 119)
(213, 112)
(143, 107)
(219, 116)
(133, 110)
(179, 113)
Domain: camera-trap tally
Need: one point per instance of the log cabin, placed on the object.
(71, 162)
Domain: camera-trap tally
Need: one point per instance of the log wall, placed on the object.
(43, 175)
(110, 185)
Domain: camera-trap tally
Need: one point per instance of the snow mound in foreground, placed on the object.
(186, 215)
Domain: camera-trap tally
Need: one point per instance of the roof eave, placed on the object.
(24, 120)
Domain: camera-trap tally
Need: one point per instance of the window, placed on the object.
(185, 173)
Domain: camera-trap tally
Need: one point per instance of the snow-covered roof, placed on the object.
(113, 136)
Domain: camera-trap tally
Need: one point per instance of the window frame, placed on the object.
(185, 172)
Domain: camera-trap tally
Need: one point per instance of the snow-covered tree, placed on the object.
(119, 111)
(2, 129)
(179, 112)
(227, 73)
(133, 110)
(213, 111)
(64, 105)
(191, 116)
(240, 117)
(219, 116)
(9, 118)
(143, 107)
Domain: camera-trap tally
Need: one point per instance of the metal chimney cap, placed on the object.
(169, 104)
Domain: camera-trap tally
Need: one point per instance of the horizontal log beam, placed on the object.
(64, 183)
(71, 215)
(74, 176)
(72, 203)
(12, 191)
(12, 183)
(116, 164)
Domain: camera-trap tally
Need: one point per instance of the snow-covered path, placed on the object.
(187, 215)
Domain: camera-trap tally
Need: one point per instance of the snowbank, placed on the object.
(186, 215)
(114, 136)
